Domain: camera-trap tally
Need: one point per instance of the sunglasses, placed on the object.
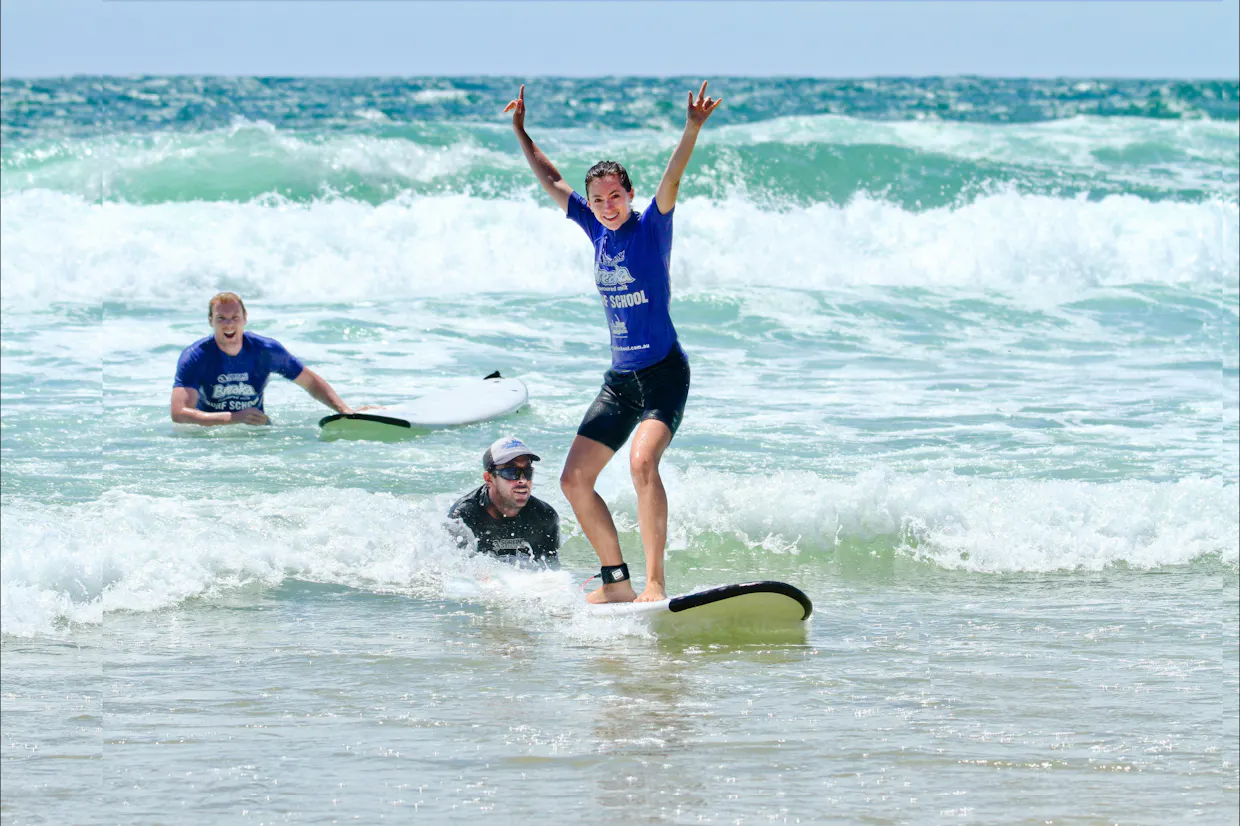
(512, 474)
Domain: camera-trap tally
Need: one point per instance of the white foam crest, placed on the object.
(72, 563)
(66, 564)
(56, 247)
(84, 166)
(1033, 244)
(440, 95)
(392, 158)
(1077, 141)
(974, 524)
(141, 553)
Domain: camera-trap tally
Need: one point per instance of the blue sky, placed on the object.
(1033, 38)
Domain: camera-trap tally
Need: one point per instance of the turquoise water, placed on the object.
(965, 362)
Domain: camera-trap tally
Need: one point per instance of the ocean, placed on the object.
(966, 367)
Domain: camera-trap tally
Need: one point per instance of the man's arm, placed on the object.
(551, 552)
(545, 541)
(462, 521)
(669, 187)
(544, 169)
(462, 533)
(317, 386)
(184, 408)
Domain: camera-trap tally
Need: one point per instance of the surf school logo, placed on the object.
(610, 273)
(619, 329)
(620, 302)
(232, 391)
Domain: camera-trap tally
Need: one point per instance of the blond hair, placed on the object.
(221, 297)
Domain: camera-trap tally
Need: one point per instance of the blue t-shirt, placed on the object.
(227, 383)
(632, 270)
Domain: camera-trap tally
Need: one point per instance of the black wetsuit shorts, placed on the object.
(655, 392)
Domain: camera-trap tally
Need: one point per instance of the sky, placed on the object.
(584, 38)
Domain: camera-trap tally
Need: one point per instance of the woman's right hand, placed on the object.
(517, 107)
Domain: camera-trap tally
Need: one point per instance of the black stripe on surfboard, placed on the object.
(706, 597)
(364, 417)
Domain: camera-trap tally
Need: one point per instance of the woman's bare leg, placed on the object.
(586, 460)
(649, 442)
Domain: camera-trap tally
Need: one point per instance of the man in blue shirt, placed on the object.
(645, 390)
(220, 379)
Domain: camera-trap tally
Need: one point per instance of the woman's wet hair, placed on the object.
(604, 168)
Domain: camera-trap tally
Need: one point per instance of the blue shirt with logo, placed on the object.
(227, 383)
(632, 270)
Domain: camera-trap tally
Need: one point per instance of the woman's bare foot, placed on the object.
(615, 592)
(653, 593)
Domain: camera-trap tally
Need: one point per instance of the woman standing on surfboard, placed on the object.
(648, 382)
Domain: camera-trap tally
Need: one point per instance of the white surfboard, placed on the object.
(475, 400)
(764, 609)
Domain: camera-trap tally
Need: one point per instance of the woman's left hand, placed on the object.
(700, 109)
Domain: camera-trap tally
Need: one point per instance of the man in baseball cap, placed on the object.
(502, 517)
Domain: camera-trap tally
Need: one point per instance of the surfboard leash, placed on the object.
(610, 574)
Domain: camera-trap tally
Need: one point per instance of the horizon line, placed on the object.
(5, 76)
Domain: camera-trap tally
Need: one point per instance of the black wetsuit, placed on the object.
(533, 535)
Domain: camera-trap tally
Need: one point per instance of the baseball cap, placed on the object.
(505, 450)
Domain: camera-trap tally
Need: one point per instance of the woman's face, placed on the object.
(609, 201)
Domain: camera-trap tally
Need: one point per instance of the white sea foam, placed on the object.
(981, 525)
(56, 247)
(127, 552)
(131, 552)
(440, 95)
(248, 151)
(1155, 152)
(1081, 142)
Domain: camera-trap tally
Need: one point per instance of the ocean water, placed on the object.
(965, 369)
